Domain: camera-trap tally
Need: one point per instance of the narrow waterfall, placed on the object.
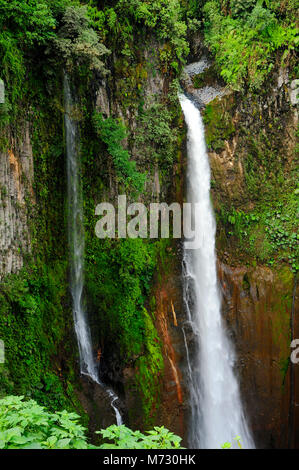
(217, 415)
(76, 246)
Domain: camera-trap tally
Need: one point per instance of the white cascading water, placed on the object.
(217, 414)
(76, 247)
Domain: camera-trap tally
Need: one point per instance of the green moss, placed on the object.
(35, 327)
(281, 330)
(266, 234)
(218, 124)
(246, 38)
(257, 220)
(207, 77)
(149, 373)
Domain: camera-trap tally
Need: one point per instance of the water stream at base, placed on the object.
(76, 246)
(217, 414)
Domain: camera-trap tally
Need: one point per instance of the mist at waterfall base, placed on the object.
(217, 415)
(76, 246)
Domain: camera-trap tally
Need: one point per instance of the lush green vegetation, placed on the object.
(27, 425)
(118, 280)
(37, 40)
(119, 276)
(41, 32)
(260, 216)
(119, 272)
(228, 445)
(164, 18)
(156, 135)
(249, 37)
(219, 125)
(112, 133)
(123, 438)
(32, 325)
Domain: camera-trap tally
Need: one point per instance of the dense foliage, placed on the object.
(32, 324)
(27, 425)
(164, 18)
(112, 133)
(32, 30)
(246, 35)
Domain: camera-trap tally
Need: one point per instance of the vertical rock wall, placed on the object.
(16, 194)
(258, 305)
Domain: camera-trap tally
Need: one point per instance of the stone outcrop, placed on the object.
(258, 305)
(16, 185)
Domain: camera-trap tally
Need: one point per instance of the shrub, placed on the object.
(163, 18)
(241, 8)
(27, 425)
(77, 42)
(112, 133)
(125, 438)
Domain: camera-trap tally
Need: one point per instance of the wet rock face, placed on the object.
(16, 185)
(200, 83)
(96, 404)
(258, 304)
(170, 318)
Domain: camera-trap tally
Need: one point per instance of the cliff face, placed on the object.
(258, 305)
(16, 179)
(170, 317)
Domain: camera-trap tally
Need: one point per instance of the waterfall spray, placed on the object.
(76, 247)
(217, 414)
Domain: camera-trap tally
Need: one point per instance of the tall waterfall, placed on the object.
(217, 415)
(76, 246)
